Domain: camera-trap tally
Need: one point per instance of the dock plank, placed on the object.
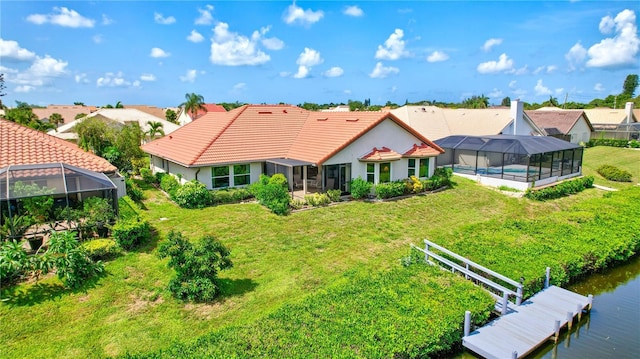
(524, 328)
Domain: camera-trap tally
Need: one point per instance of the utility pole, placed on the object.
(564, 105)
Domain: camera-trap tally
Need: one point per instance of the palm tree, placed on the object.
(193, 104)
(56, 119)
(119, 105)
(155, 128)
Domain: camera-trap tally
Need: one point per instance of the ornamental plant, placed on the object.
(193, 194)
(613, 173)
(71, 260)
(360, 188)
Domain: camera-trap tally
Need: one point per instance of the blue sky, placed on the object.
(154, 52)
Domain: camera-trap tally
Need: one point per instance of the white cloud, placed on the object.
(233, 49)
(97, 39)
(598, 87)
(551, 68)
(576, 55)
(25, 88)
(521, 71)
(495, 93)
(160, 19)
(195, 36)
(285, 73)
(190, 76)
(205, 17)
(620, 50)
(240, 86)
(273, 43)
(559, 91)
(541, 90)
(295, 14)
(10, 49)
(437, 56)
(81, 79)
(334, 72)
(147, 77)
(393, 48)
(489, 44)
(303, 71)
(504, 63)
(512, 84)
(61, 16)
(309, 57)
(48, 67)
(380, 71)
(158, 52)
(347, 92)
(111, 79)
(106, 20)
(353, 10)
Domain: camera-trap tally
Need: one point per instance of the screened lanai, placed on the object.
(514, 158)
(68, 185)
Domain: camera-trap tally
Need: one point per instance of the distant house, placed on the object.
(339, 108)
(119, 115)
(184, 117)
(569, 125)
(151, 110)
(614, 123)
(435, 122)
(31, 152)
(68, 112)
(316, 151)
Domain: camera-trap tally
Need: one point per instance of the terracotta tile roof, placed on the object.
(381, 155)
(68, 112)
(562, 120)
(260, 132)
(421, 151)
(210, 107)
(21, 145)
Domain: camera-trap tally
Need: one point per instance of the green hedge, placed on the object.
(193, 194)
(102, 248)
(612, 143)
(391, 314)
(613, 173)
(130, 234)
(561, 189)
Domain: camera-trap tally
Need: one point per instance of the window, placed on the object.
(241, 175)
(220, 176)
(385, 172)
(371, 176)
(412, 167)
(424, 167)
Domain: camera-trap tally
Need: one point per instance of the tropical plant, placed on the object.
(360, 188)
(155, 128)
(196, 265)
(37, 200)
(171, 116)
(193, 104)
(272, 192)
(94, 135)
(193, 194)
(72, 262)
(56, 119)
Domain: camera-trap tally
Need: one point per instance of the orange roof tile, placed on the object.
(381, 155)
(260, 132)
(421, 151)
(68, 112)
(209, 107)
(21, 145)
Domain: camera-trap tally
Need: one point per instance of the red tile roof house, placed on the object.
(184, 117)
(21, 146)
(314, 150)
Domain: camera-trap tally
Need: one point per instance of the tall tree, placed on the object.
(171, 116)
(2, 88)
(94, 135)
(630, 85)
(193, 104)
(119, 105)
(78, 103)
(506, 101)
(56, 119)
(155, 128)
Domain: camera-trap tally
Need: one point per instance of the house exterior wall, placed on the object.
(580, 131)
(386, 134)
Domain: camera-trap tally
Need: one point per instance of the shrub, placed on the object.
(272, 193)
(148, 176)
(128, 209)
(13, 259)
(193, 194)
(296, 203)
(133, 191)
(230, 195)
(561, 189)
(97, 213)
(390, 189)
(613, 173)
(317, 199)
(414, 185)
(102, 248)
(240, 194)
(129, 234)
(607, 142)
(159, 176)
(360, 188)
(196, 265)
(72, 262)
(169, 184)
(334, 195)
(634, 144)
(37, 206)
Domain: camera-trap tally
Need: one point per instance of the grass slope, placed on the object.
(623, 158)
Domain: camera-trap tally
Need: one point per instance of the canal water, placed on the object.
(612, 330)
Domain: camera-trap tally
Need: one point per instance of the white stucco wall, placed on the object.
(580, 131)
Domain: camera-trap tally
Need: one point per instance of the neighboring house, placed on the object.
(435, 122)
(314, 150)
(151, 110)
(120, 115)
(614, 123)
(21, 145)
(569, 125)
(68, 112)
(339, 108)
(184, 117)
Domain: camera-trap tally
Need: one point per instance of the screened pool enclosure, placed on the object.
(514, 158)
(67, 185)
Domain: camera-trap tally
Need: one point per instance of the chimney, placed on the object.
(517, 115)
(628, 110)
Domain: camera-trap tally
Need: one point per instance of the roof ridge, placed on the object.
(233, 119)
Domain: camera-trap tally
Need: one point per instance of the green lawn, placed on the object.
(624, 158)
(283, 261)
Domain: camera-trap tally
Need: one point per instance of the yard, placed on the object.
(625, 158)
(301, 261)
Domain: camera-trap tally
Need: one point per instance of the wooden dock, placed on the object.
(529, 325)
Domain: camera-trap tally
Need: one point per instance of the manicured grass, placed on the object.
(289, 262)
(623, 158)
